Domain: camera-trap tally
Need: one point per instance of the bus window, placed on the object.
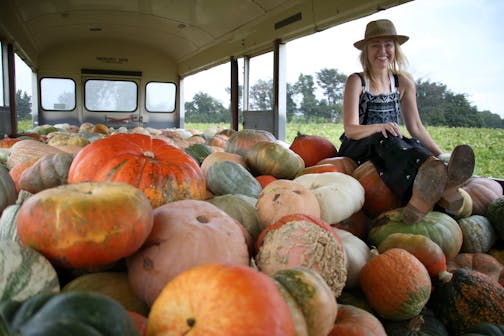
(57, 94)
(111, 95)
(160, 97)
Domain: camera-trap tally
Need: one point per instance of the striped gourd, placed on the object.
(25, 272)
(8, 228)
(8, 191)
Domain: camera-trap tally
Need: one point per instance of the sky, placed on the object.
(459, 43)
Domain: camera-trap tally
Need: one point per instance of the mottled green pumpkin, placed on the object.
(228, 177)
(8, 193)
(439, 227)
(495, 214)
(271, 158)
(479, 235)
(240, 142)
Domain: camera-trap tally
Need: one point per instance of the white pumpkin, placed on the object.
(339, 195)
(357, 254)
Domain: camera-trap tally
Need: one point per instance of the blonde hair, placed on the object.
(398, 66)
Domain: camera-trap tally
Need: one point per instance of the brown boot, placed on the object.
(460, 168)
(428, 187)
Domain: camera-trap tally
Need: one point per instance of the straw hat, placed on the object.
(380, 28)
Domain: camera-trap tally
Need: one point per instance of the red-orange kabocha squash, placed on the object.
(163, 172)
(313, 148)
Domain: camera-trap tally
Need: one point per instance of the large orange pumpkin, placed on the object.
(313, 148)
(221, 300)
(164, 173)
(85, 224)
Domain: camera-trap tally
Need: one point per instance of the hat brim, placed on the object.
(399, 38)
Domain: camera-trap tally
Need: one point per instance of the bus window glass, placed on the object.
(57, 94)
(160, 97)
(110, 95)
(1, 79)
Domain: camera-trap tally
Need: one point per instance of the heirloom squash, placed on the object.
(8, 192)
(464, 298)
(215, 157)
(480, 262)
(354, 321)
(396, 284)
(483, 191)
(25, 272)
(495, 214)
(344, 163)
(29, 151)
(241, 141)
(439, 227)
(271, 158)
(229, 177)
(479, 235)
(162, 172)
(85, 224)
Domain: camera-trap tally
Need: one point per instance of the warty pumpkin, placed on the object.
(396, 284)
(162, 172)
(495, 214)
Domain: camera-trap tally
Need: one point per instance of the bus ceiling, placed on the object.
(195, 34)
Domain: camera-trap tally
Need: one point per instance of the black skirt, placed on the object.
(396, 159)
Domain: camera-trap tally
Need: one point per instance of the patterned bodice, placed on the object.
(382, 108)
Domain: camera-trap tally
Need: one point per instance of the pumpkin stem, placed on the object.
(415, 324)
(149, 154)
(299, 134)
(445, 276)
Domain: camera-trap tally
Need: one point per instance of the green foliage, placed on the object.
(486, 142)
(23, 105)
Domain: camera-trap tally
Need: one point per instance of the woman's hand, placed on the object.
(391, 128)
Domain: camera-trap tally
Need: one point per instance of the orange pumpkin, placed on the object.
(221, 300)
(346, 164)
(8, 142)
(321, 168)
(85, 224)
(396, 284)
(358, 224)
(354, 321)
(313, 148)
(483, 191)
(378, 196)
(264, 180)
(164, 173)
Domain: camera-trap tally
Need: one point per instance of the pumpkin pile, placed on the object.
(226, 232)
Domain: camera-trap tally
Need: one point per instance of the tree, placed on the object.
(261, 95)
(205, 108)
(23, 105)
(332, 83)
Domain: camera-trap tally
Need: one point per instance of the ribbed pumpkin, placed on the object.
(285, 197)
(346, 164)
(312, 148)
(354, 321)
(8, 192)
(464, 298)
(25, 272)
(378, 196)
(271, 158)
(422, 247)
(215, 157)
(397, 285)
(162, 172)
(240, 142)
(481, 262)
(29, 151)
(51, 170)
(495, 214)
(229, 177)
(301, 240)
(186, 233)
(85, 224)
(312, 294)
(483, 191)
(439, 227)
(321, 168)
(479, 235)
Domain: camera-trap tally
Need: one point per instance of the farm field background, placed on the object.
(488, 144)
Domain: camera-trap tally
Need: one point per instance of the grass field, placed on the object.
(488, 144)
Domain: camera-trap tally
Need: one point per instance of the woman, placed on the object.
(373, 102)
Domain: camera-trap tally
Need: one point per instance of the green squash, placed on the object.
(479, 235)
(69, 313)
(198, 151)
(242, 208)
(271, 158)
(464, 298)
(8, 193)
(495, 214)
(25, 272)
(228, 177)
(439, 227)
(8, 228)
(486, 329)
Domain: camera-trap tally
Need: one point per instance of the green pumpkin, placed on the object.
(486, 329)
(228, 177)
(495, 214)
(241, 142)
(198, 151)
(271, 158)
(242, 208)
(8, 228)
(439, 227)
(68, 313)
(424, 324)
(8, 193)
(479, 235)
(25, 272)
